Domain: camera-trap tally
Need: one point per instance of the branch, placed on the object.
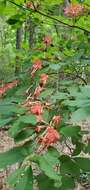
(50, 17)
(78, 76)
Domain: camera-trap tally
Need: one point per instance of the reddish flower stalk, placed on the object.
(39, 118)
(39, 128)
(27, 103)
(37, 91)
(37, 65)
(56, 119)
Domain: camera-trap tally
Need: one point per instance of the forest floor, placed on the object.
(6, 143)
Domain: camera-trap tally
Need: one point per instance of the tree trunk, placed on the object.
(18, 47)
(31, 34)
(18, 38)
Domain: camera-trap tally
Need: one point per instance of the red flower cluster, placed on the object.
(74, 10)
(37, 65)
(37, 109)
(8, 86)
(50, 137)
(38, 128)
(29, 5)
(47, 40)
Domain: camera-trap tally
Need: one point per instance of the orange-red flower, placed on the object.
(74, 10)
(8, 86)
(11, 84)
(37, 109)
(47, 40)
(50, 137)
(36, 65)
(56, 119)
(2, 90)
(37, 91)
(43, 79)
(29, 5)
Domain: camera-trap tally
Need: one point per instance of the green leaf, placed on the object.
(67, 183)
(28, 119)
(10, 109)
(11, 157)
(15, 176)
(26, 182)
(69, 166)
(46, 93)
(12, 21)
(55, 67)
(53, 152)
(3, 122)
(7, 109)
(87, 149)
(22, 122)
(47, 164)
(59, 96)
(16, 128)
(24, 134)
(79, 147)
(83, 163)
(70, 131)
(80, 114)
(45, 183)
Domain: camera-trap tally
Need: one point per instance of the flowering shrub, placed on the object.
(43, 110)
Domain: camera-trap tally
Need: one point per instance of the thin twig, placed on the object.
(49, 16)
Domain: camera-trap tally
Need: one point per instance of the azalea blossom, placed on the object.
(43, 79)
(50, 137)
(29, 5)
(37, 91)
(8, 86)
(56, 119)
(36, 65)
(37, 109)
(74, 10)
(47, 40)
(11, 84)
(2, 90)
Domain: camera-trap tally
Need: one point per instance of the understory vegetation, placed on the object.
(45, 91)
